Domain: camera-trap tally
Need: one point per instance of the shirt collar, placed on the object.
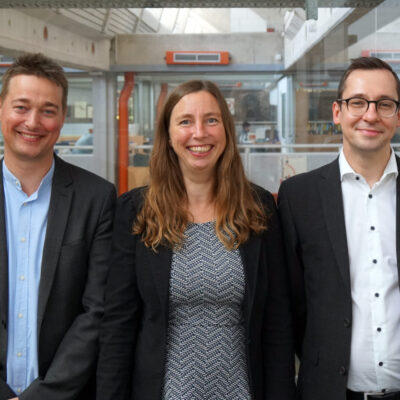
(11, 178)
(346, 170)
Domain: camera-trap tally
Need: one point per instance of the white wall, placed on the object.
(244, 48)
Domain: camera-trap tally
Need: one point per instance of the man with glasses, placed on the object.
(342, 239)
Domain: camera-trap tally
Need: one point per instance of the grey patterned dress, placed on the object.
(206, 350)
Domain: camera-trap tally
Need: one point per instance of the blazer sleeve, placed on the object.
(122, 310)
(75, 360)
(278, 331)
(294, 263)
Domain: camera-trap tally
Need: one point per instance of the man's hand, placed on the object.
(14, 398)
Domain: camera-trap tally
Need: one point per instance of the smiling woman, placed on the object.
(196, 166)
(197, 135)
(200, 244)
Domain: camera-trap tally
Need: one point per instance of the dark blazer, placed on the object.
(71, 291)
(312, 216)
(134, 329)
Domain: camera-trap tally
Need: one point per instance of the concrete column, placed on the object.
(104, 125)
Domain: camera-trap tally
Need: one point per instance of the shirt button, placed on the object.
(374, 260)
(22, 240)
(19, 354)
(379, 329)
(357, 178)
(19, 390)
(380, 364)
(22, 278)
(342, 370)
(370, 196)
(20, 315)
(376, 294)
(372, 228)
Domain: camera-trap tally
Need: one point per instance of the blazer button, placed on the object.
(342, 370)
(347, 323)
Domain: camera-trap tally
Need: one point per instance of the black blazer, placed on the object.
(312, 215)
(134, 329)
(71, 290)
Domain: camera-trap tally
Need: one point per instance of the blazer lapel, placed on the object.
(3, 273)
(160, 266)
(398, 217)
(59, 210)
(250, 254)
(332, 204)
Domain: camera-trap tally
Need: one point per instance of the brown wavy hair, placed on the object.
(164, 217)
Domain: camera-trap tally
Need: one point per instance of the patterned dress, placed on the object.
(206, 357)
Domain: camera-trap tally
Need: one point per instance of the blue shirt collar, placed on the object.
(12, 179)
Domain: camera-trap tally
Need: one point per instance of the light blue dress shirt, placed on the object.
(26, 222)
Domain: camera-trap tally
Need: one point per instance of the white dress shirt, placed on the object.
(370, 219)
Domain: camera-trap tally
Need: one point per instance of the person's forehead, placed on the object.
(34, 85)
(196, 101)
(375, 79)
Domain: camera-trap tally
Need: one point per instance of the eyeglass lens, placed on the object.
(384, 107)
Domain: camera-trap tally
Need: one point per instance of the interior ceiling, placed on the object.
(186, 3)
(107, 18)
(98, 19)
(97, 23)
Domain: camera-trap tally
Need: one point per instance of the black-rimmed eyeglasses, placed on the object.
(358, 106)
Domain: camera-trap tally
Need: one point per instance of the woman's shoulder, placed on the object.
(133, 199)
(263, 195)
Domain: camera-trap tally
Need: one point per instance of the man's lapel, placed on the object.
(59, 211)
(398, 217)
(332, 204)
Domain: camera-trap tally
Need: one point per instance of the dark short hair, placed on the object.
(36, 64)
(367, 63)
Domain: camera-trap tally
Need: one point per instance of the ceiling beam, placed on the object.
(185, 3)
(67, 47)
